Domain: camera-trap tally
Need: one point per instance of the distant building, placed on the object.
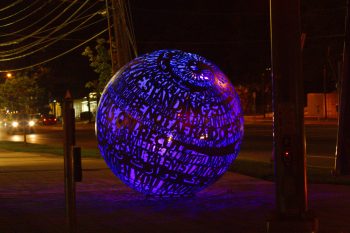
(82, 107)
(317, 105)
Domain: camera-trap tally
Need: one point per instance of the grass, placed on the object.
(265, 170)
(325, 176)
(259, 169)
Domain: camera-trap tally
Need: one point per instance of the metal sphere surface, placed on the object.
(169, 123)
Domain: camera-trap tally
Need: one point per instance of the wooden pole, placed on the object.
(288, 124)
(122, 43)
(112, 50)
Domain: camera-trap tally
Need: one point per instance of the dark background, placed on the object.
(232, 34)
(235, 35)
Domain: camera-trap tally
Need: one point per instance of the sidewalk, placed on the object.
(32, 200)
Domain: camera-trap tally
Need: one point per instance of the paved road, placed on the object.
(320, 143)
(53, 135)
(257, 143)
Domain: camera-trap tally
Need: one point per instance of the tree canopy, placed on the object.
(20, 94)
(100, 61)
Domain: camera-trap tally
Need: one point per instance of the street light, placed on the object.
(8, 75)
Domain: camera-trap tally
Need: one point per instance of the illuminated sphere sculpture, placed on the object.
(169, 123)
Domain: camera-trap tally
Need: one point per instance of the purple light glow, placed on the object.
(169, 123)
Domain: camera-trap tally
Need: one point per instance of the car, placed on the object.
(3, 121)
(36, 118)
(48, 119)
(20, 123)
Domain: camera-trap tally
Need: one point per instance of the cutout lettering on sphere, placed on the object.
(169, 123)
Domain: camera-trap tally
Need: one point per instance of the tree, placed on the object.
(20, 94)
(100, 61)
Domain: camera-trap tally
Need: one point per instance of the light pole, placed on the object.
(292, 213)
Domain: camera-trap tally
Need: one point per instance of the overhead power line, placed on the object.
(41, 28)
(34, 23)
(78, 29)
(10, 5)
(57, 56)
(37, 32)
(20, 11)
(51, 41)
(30, 33)
(25, 16)
(44, 39)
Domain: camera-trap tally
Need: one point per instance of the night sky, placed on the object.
(232, 34)
(235, 35)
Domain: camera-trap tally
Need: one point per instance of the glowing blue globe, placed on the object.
(169, 123)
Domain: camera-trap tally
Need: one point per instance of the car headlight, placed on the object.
(31, 123)
(15, 124)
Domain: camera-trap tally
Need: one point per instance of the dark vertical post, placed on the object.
(89, 107)
(120, 33)
(54, 108)
(24, 132)
(124, 43)
(113, 53)
(289, 141)
(342, 162)
(325, 91)
(69, 142)
(263, 77)
(288, 123)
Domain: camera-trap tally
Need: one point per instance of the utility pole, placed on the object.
(289, 151)
(342, 158)
(113, 53)
(122, 44)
